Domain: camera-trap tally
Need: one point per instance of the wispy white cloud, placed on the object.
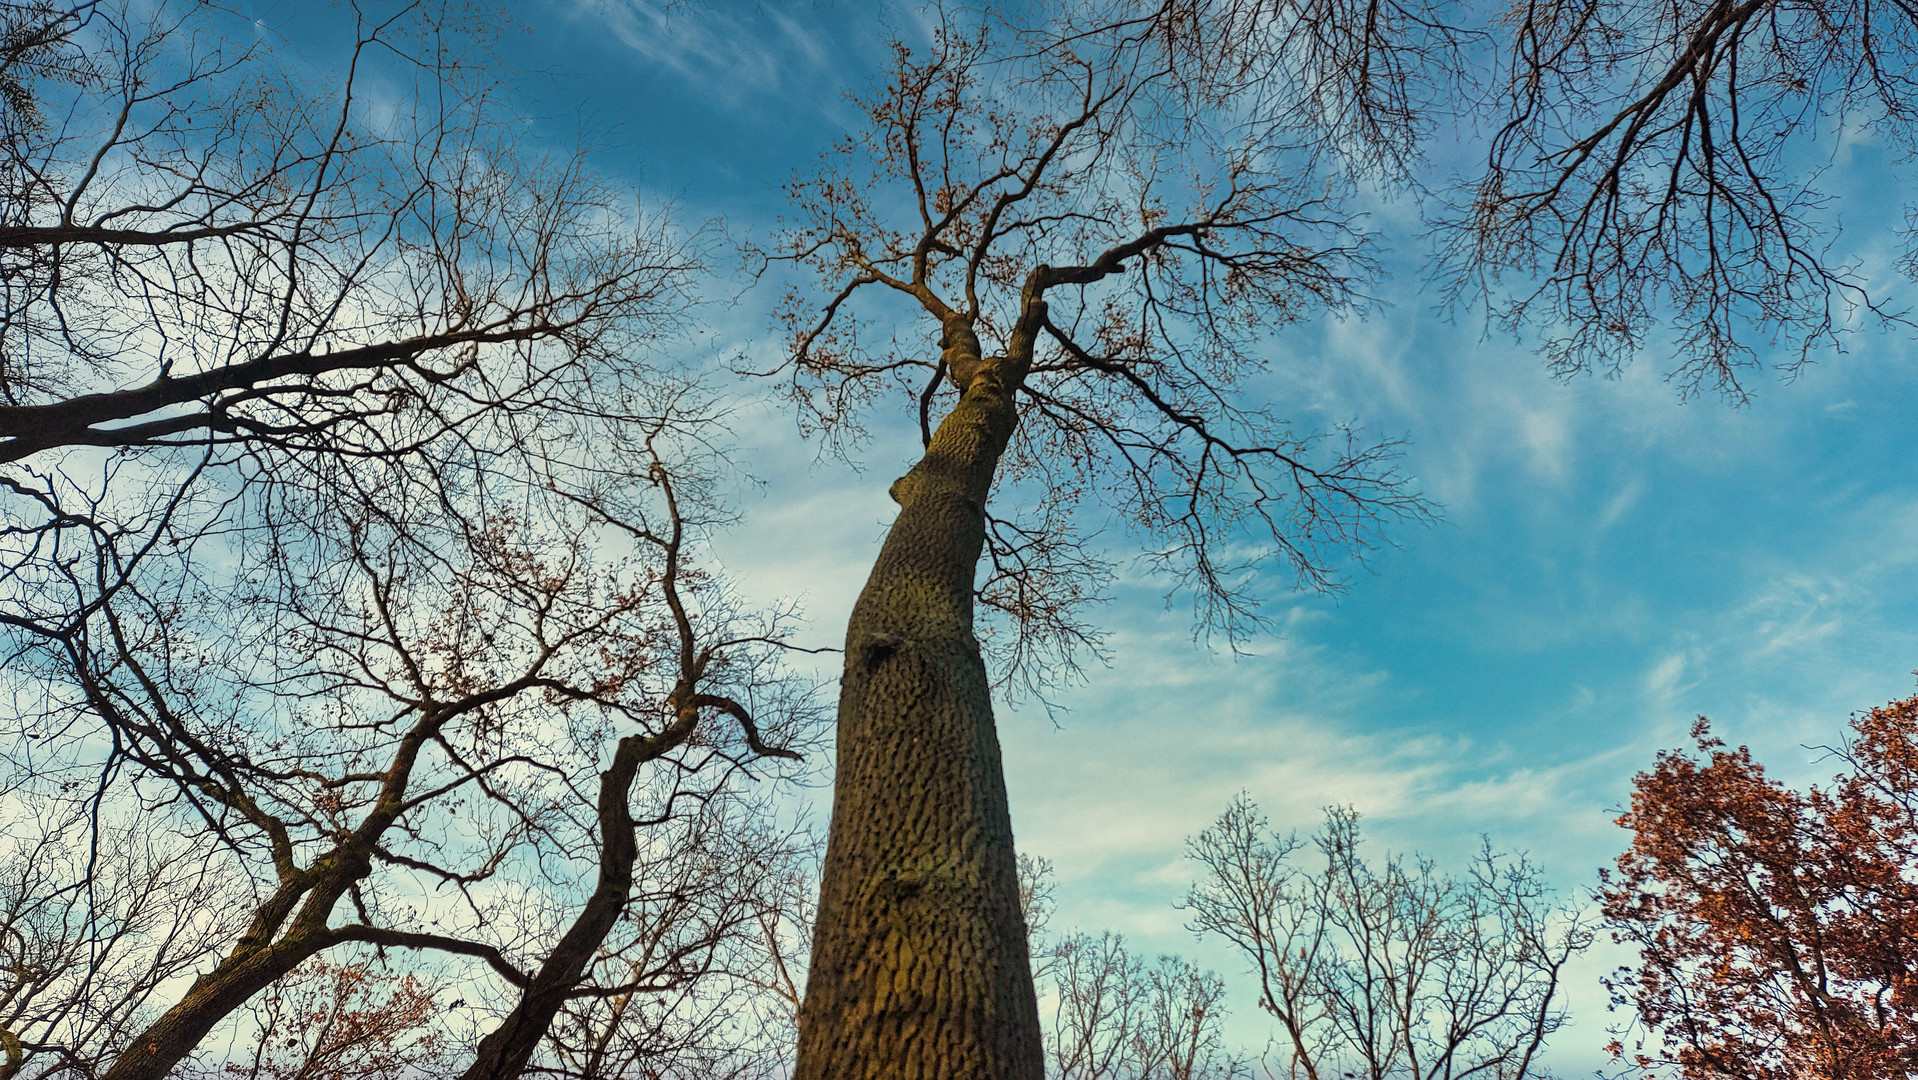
(729, 54)
(1621, 503)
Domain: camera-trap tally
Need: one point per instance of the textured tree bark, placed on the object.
(919, 965)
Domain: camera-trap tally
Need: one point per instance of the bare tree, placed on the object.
(1035, 909)
(736, 915)
(1393, 973)
(1671, 164)
(93, 926)
(396, 727)
(1183, 1037)
(1117, 1018)
(357, 1020)
(208, 251)
(349, 533)
(1100, 247)
(1097, 1001)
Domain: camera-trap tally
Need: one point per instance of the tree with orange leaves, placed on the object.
(355, 1020)
(1778, 929)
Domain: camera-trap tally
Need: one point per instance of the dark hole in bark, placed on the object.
(880, 647)
(904, 884)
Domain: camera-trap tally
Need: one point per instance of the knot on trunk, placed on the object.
(878, 648)
(903, 884)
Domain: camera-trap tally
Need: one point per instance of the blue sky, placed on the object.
(1610, 563)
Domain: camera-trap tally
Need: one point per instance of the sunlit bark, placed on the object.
(919, 962)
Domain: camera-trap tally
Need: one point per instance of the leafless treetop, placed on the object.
(1671, 163)
(1093, 202)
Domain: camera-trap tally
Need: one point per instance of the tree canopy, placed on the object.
(354, 506)
(353, 554)
(1776, 928)
(1670, 174)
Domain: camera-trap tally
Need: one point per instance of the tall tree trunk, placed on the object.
(919, 965)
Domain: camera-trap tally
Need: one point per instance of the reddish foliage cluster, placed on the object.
(353, 1021)
(1778, 929)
